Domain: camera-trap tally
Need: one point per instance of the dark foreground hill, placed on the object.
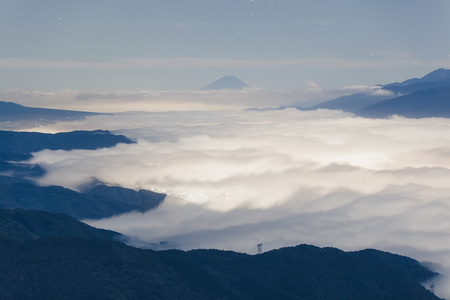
(25, 225)
(97, 200)
(66, 266)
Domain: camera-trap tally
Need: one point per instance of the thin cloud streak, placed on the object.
(227, 63)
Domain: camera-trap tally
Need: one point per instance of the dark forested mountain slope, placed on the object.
(100, 202)
(26, 142)
(76, 268)
(23, 225)
(95, 201)
(46, 261)
(17, 146)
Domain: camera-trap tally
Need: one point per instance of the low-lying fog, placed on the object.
(281, 178)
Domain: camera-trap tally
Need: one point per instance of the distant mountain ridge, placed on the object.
(424, 97)
(27, 142)
(428, 103)
(350, 103)
(13, 112)
(226, 82)
(435, 76)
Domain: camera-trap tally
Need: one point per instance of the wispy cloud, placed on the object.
(158, 63)
(374, 62)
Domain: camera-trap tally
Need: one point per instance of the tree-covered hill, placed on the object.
(66, 266)
(25, 225)
(100, 202)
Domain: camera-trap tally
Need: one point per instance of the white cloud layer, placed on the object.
(280, 178)
(158, 101)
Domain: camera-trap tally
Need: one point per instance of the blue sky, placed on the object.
(184, 45)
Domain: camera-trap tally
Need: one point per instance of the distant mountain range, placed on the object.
(52, 256)
(440, 75)
(424, 97)
(433, 102)
(12, 112)
(350, 103)
(226, 82)
(96, 200)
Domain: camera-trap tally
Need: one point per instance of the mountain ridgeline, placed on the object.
(52, 256)
(428, 103)
(31, 116)
(424, 97)
(27, 142)
(96, 200)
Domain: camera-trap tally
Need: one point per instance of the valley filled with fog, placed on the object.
(238, 178)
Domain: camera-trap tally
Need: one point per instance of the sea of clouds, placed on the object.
(281, 178)
(160, 101)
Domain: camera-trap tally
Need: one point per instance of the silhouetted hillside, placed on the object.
(96, 201)
(23, 225)
(48, 256)
(27, 142)
(100, 202)
(17, 146)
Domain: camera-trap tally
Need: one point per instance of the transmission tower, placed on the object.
(259, 248)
